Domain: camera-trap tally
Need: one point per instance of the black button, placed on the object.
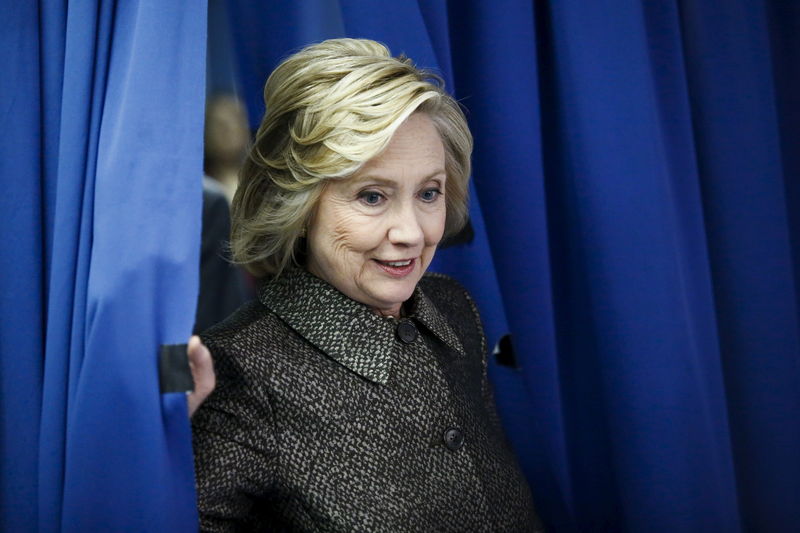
(454, 438)
(407, 331)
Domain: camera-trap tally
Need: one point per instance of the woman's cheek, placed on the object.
(434, 228)
(360, 233)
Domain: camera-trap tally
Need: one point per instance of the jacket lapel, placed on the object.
(347, 331)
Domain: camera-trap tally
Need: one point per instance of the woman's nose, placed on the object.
(405, 228)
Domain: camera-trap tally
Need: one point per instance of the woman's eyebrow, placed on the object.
(371, 178)
(380, 180)
(435, 174)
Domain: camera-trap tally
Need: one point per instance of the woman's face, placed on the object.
(374, 234)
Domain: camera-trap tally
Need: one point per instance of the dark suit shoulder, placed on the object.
(236, 324)
(448, 295)
(456, 305)
(246, 342)
(442, 288)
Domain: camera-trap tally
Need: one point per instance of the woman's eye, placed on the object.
(429, 195)
(371, 197)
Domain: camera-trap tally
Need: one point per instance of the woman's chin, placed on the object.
(388, 302)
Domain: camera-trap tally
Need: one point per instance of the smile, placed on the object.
(398, 268)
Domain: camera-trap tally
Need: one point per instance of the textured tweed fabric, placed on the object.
(328, 417)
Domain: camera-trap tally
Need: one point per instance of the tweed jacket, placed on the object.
(329, 417)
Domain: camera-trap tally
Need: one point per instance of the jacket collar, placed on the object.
(348, 331)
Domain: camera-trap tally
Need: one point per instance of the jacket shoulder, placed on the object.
(246, 342)
(244, 318)
(438, 281)
(455, 303)
(446, 292)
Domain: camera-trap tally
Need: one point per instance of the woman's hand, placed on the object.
(202, 368)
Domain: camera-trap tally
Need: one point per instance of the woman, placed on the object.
(352, 395)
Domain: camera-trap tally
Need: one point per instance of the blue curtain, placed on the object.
(636, 217)
(101, 164)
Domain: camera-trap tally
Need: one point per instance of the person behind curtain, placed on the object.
(223, 287)
(226, 139)
(352, 395)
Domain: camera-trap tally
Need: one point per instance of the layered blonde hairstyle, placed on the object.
(330, 108)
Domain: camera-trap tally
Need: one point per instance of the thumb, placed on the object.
(202, 367)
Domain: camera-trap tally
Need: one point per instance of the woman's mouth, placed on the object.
(398, 268)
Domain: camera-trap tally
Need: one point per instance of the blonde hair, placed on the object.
(330, 108)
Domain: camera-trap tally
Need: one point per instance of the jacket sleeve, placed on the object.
(235, 447)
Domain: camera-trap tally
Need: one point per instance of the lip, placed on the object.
(395, 271)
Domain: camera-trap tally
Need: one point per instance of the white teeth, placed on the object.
(399, 263)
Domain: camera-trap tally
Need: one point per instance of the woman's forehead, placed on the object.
(416, 148)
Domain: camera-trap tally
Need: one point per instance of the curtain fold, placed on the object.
(645, 401)
(22, 293)
(103, 176)
(748, 229)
